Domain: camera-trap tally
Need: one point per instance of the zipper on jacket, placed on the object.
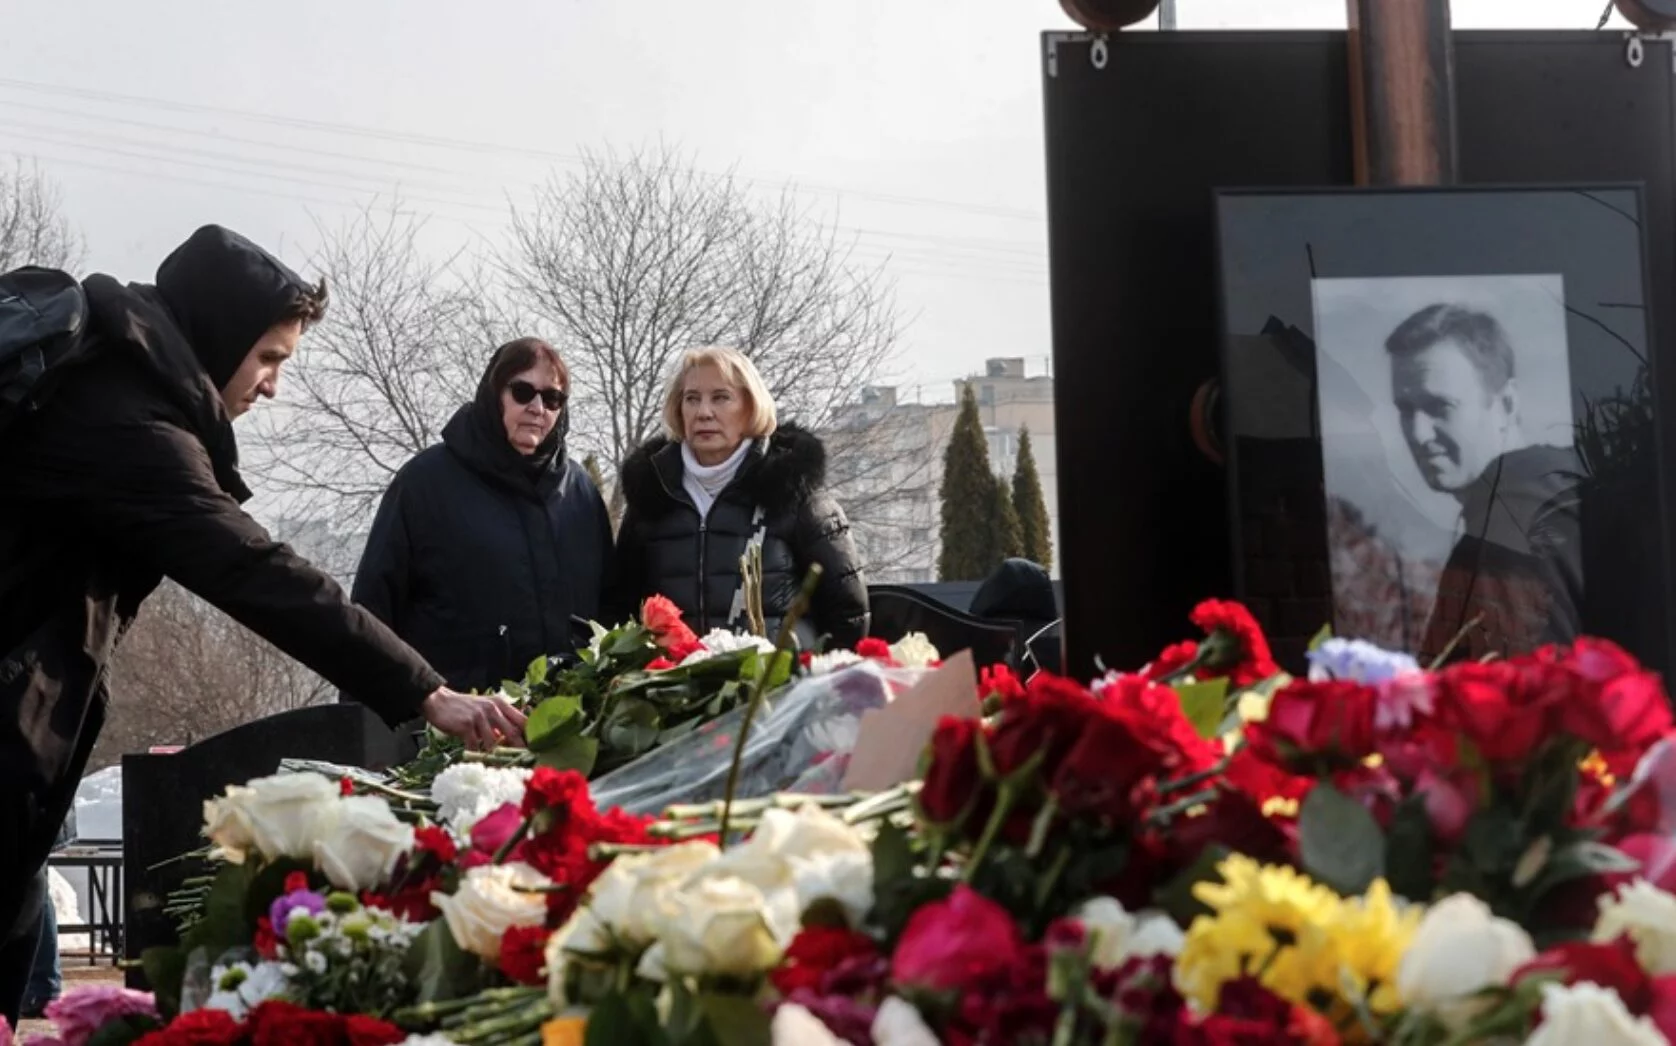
(703, 578)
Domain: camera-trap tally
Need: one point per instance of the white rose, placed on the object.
(1459, 949)
(719, 927)
(914, 651)
(1588, 1013)
(1155, 934)
(764, 860)
(1648, 915)
(288, 812)
(625, 900)
(898, 1023)
(844, 877)
(1110, 926)
(487, 905)
(227, 826)
(793, 1025)
(361, 848)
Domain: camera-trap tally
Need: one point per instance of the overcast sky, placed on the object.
(916, 123)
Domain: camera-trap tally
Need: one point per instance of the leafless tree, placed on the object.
(186, 671)
(33, 229)
(631, 260)
(402, 346)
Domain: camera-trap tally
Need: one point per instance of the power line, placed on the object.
(442, 142)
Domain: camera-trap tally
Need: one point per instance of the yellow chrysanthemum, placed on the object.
(1356, 954)
(1262, 913)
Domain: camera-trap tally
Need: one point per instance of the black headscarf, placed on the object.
(477, 433)
(224, 293)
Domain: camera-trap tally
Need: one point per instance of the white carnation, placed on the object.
(826, 664)
(720, 641)
(1648, 915)
(914, 651)
(465, 793)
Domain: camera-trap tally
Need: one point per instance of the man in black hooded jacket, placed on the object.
(127, 474)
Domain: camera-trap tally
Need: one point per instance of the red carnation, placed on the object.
(266, 941)
(296, 881)
(1171, 660)
(523, 954)
(874, 649)
(412, 903)
(362, 1030)
(999, 681)
(277, 1023)
(817, 951)
(562, 790)
(346, 786)
(1234, 645)
(205, 1027)
(659, 664)
(1099, 772)
(435, 840)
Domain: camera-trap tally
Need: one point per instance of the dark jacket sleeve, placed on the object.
(146, 491)
(381, 579)
(823, 536)
(627, 586)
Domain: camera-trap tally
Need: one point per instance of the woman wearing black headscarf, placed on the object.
(488, 544)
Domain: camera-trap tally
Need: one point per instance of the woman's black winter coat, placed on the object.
(480, 559)
(664, 546)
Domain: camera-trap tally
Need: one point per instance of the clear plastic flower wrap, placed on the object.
(801, 741)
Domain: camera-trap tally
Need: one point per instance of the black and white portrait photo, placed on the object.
(1447, 443)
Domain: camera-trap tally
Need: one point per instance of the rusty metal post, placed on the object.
(1402, 91)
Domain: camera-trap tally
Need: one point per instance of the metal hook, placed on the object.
(1098, 54)
(1635, 53)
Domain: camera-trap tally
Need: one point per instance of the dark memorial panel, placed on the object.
(1141, 130)
(163, 796)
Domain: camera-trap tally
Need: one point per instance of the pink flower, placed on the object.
(5, 1032)
(1402, 700)
(1450, 801)
(82, 1012)
(959, 943)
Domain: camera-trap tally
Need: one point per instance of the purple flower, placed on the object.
(279, 913)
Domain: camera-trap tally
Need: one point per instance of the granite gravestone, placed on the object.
(163, 798)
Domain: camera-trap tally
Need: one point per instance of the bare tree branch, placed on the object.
(33, 229)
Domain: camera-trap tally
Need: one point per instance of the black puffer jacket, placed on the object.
(480, 557)
(664, 547)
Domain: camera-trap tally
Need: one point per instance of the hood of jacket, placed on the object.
(476, 434)
(778, 472)
(134, 322)
(224, 292)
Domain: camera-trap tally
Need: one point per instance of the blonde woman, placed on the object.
(726, 476)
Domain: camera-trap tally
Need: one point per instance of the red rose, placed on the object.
(1171, 660)
(815, 952)
(659, 664)
(1105, 762)
(523, 954)
(492, 832)
(362, 1030)
(1503, 708)
(958, 943)
(276, 1023)
(951, 781)
(1045, 722)
(662, 617)
(1236, 645)
(684, 647)
(1622, 719)
(204, 1027)
(1611, 966)
(435, 840)
(1333, 719)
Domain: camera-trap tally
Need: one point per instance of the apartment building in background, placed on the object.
(886, 463)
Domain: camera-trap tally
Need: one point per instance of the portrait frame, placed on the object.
(1339, 501)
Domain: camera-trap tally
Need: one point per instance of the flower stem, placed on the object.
(512, 841)
(1005, 796)
(759, 686)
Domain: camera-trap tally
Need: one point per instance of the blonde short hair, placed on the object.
(738, 371)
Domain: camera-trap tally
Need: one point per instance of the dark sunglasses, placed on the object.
(523, 392)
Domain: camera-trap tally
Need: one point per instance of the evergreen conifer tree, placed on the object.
(1031, 507)
(968, 499)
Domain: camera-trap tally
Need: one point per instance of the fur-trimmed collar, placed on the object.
(778, 476)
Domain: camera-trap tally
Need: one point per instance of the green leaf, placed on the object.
(123, 1030)
(571, 752)
(735, 1020)
(1339, 841)
(438, 966)
(553, 720)
(1320, 637)
(612, 1021)
(165, 969)
(1494, 841)
(1408, 851)
(633, 726)
(1176, 898)
(893, 854)
(1579, 860)
(536, 674)
(1204, 704)
(780, 669)
(627, 641)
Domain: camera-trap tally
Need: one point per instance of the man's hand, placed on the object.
(482, 722)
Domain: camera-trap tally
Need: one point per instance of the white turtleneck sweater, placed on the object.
(703, 482)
